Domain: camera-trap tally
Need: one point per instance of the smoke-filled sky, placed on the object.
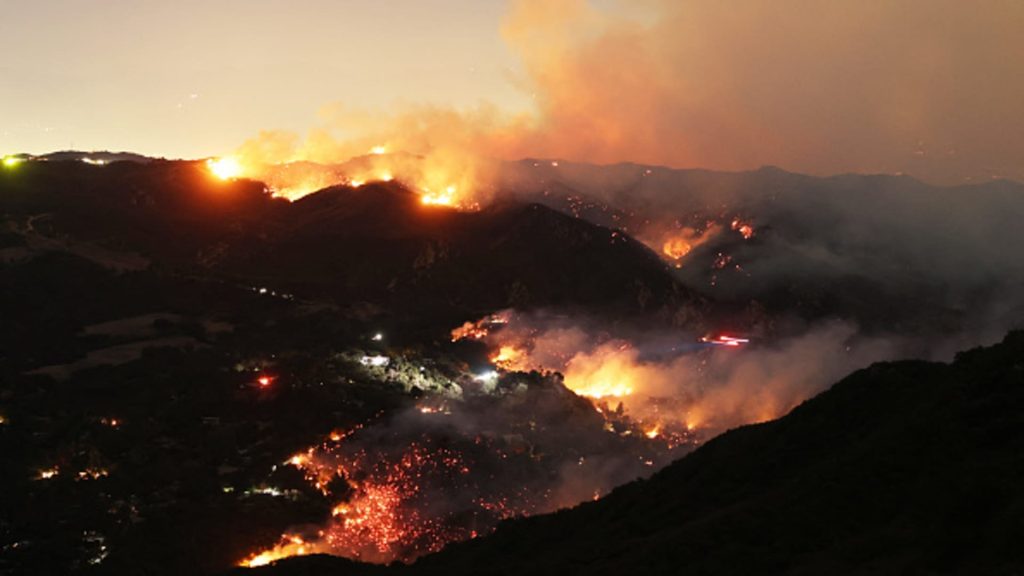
(930, 88)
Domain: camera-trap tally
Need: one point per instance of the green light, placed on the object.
(12, 161)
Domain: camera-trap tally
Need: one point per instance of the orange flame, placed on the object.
(678, 244)
(288, 546)
(508, 357)
(676, 248)
(744, 228)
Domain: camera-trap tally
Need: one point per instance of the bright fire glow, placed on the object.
(603, 389)
(666, 389)
(744, 228)
(92, 474)
(385, 511)
(440, 178)
(48, 473)
(289, 546)
(225, 168)
(480, 329)
(679, 243)
(507, 357)
(676, 248)
(446, 198)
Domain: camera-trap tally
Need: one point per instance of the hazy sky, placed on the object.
(932, 88)
(196, 77)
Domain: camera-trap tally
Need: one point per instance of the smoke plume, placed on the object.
(921, 87)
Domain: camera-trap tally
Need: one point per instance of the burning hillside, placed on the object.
(451, 467)
(517, 438)
(675, 381)
(439, 180)
(585, 362)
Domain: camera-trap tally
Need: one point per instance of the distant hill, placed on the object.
(375, 245)
(886, 251)
(101, 156)
(378, 242)
(908, 468)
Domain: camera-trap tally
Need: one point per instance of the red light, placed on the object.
(724, 340)
(265, 381)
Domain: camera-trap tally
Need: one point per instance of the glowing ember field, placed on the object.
(506, 443)
(447, 470)
(509, 442)
(386, 508)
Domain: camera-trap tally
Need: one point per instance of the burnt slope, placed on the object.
(909, 467)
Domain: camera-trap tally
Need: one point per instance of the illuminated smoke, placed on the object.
(815, 87)
(684, 380)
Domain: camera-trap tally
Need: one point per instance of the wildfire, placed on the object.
(92, 474)
(382, 516)
(48, 473)
(745, 229)
(470, 330)
(225, 168)
(603, 389)
(387, 495)
(289, 546)
(678, 244)
(676, 248)
(446, 198)
(480, 329)
(507, 357)
(438, 178)
(612, 373)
